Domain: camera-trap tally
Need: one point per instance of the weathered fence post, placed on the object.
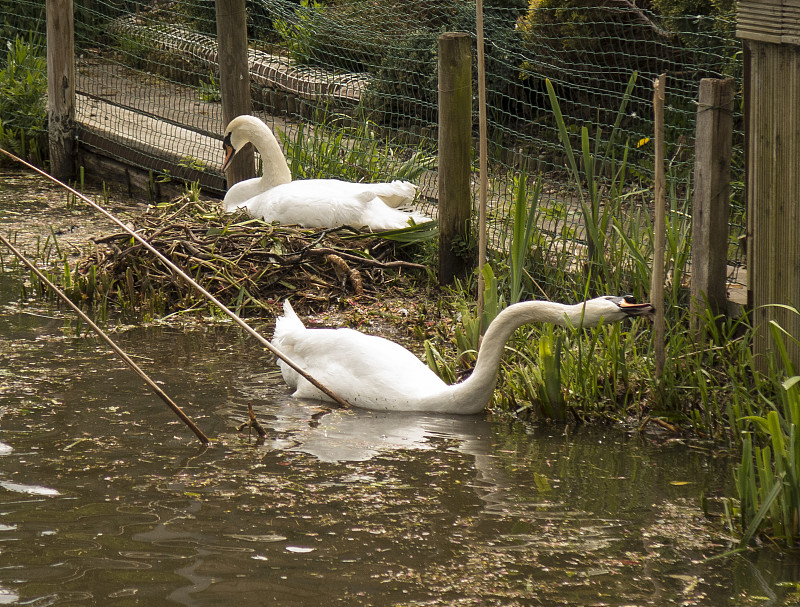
(234, 78)
(659, 223)
(455, 151)
(771, 34)
(710, 203)
(61, 88)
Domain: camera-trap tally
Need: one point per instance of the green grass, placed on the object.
(349, 154)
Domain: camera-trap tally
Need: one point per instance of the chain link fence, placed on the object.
(363, 73)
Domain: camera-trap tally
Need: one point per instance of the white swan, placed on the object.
(312, 203)
(374, 373)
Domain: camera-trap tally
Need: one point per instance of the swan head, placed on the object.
(609, 308)
(237, 135)
(249, 129)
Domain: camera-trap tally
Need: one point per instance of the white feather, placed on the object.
(312, 203)
(374, 373)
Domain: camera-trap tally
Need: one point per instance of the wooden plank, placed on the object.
(154, 144)
(773, 192)
(61, 88)
(710, 203)
(773, 21)
(455, 152)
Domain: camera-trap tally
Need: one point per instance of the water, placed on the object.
(106, 499)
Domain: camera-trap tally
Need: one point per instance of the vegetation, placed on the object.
(768, 477)
(711, 388)
(353, 154)
(17, 17)
(23, 100)
(247, 264)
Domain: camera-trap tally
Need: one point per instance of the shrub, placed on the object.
(21, 17)
(589, 50)
(23, 100)
(202, 15)
(405, 81)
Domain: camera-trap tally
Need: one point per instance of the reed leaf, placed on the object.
(755, 522)
(523, 230)
(563, 135)
(551, 394)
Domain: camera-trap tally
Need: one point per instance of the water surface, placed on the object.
(106, 499)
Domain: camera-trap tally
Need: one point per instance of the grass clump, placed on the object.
(768, 475)
(356, 154)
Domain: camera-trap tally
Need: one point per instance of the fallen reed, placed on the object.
(249, 265)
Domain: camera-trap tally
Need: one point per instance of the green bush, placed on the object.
(23, 100)
(202, 15)
(588, 50)
(21, 17)
(405, 82)
(350, 35)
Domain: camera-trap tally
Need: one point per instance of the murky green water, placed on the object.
(105, 499)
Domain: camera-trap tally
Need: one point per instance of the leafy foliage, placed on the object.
(768, 476)
(21, 17)
(350, 155)
(23, 100)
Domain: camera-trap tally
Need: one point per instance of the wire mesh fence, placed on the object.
(363, 73)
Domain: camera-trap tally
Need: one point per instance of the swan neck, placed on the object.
(275, 170)
(480, 385)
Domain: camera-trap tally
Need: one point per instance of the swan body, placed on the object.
(371, 372)
(312, 203)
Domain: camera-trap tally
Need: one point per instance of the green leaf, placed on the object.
(756, 521)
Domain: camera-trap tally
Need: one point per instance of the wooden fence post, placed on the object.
(61, 88)
(710, 203)
(455, 151)
(659, 223)
(234, 78)
(769, 32)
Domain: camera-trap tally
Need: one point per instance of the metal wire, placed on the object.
(147, 75)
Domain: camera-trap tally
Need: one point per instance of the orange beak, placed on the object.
(229, 153)
(628, 303)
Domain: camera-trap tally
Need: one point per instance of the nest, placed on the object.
(247, 264)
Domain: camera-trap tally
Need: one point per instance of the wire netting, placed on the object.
(362, 74)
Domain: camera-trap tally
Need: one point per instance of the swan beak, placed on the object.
(229, 150)
(628, 305)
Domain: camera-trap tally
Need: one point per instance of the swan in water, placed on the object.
(371, 372)
(312, 203)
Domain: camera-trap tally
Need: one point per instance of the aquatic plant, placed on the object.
(768, 475)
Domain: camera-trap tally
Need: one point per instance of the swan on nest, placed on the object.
(311, 203)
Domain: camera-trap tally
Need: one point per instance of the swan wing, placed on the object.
(322, 203)
(366, 370)
(394, 194)
(239, 194)
(306, 203)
